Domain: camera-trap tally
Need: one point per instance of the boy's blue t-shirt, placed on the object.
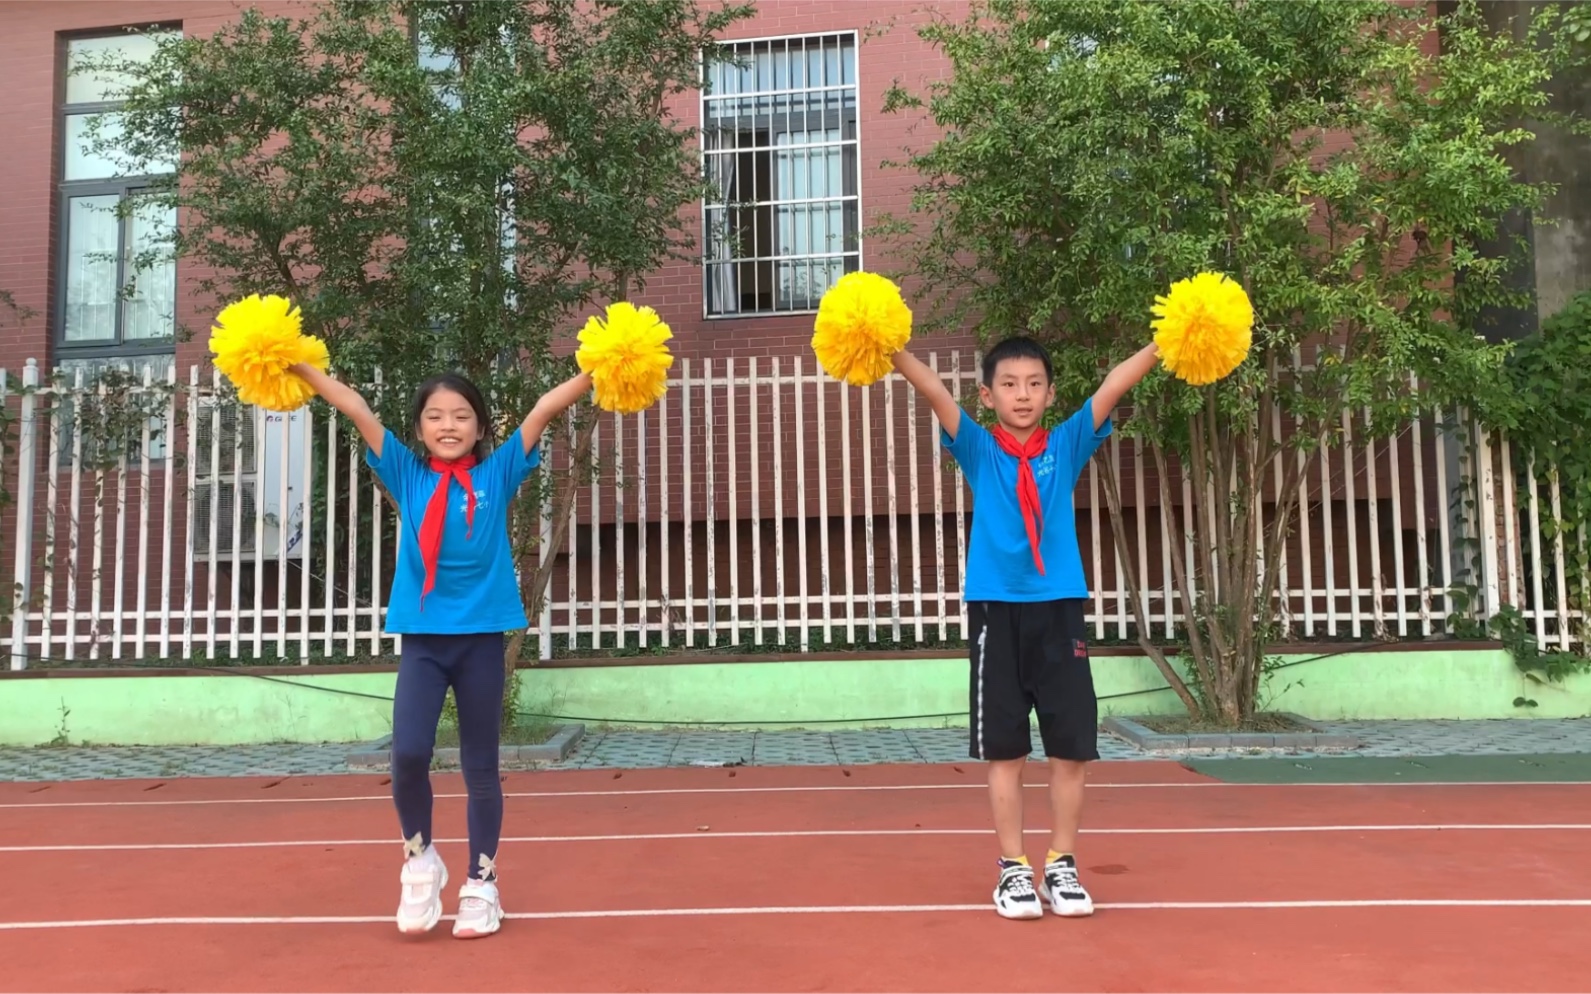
(1000, 564)
(476, 589)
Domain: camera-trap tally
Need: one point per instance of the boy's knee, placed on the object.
(1007, 770)
(1068, 769)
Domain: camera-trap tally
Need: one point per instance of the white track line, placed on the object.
(862, 788)
(842, 909)
(812, 834)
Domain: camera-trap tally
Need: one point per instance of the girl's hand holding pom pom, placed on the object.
(255, 341)
(627, 357)
(1203, 327)
(862, 322)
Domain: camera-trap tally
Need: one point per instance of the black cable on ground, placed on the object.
(244, 672)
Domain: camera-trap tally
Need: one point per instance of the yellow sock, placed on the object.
(1053, 856)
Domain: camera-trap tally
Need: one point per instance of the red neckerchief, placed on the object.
(436, 514)
(1027, 488)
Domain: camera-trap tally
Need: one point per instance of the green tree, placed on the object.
(1548, 406)
(1315, 150)
(436, 184)
(11, 313)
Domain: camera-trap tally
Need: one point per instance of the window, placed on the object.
(779, 147)
(116, 279)
(116, 283)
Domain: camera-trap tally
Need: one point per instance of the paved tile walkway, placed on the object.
(635, 749)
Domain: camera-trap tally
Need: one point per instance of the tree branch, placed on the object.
(1140, 607)
(562, 516)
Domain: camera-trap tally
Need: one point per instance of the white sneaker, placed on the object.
(424, 875)
(1065, 892)
(1014, 896)
(480, 910)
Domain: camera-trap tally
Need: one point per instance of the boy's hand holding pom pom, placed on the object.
(1203, 327)
(255, 340)
(627, 356)
(862, 322)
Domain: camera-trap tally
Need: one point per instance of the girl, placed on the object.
(454, 594)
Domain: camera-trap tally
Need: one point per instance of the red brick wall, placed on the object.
(30, 61)
(32, 48)
(889, 51)
(31, 77)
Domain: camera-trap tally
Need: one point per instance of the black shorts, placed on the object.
(1030, 657)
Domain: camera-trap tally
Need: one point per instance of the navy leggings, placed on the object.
(473, 666)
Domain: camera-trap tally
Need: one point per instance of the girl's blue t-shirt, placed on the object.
(476, 589)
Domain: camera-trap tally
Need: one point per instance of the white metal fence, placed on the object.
(758, 504)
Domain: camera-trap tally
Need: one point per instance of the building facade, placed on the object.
(794, 138)
(799, 132)
(760, 505)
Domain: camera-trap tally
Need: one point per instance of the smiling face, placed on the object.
(448, 425)
(1018, 393)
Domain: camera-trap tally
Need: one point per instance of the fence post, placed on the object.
(27, 468)
(1487, 511)
(543, 553)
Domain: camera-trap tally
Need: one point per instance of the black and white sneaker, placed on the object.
(1014, 896)
(1064, 891)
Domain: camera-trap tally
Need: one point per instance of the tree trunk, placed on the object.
(563, 502)
(1140, 608)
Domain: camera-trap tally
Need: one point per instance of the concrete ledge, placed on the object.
(1318, 739)
(376, 755)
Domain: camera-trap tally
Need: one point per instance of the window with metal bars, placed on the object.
(779, 148)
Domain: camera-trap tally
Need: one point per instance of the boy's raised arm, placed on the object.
(1121, 379)
(928, 383)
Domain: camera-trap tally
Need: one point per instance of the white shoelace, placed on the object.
(1017, 880)
(1064, 878)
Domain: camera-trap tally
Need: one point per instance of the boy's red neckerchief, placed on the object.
(1027, 488)
(436, 514)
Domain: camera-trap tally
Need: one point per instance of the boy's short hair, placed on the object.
(1016, 347)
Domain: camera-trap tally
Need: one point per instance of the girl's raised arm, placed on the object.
(347, 400)
(552, 403)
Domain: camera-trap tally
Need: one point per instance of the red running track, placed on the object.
(875, 878)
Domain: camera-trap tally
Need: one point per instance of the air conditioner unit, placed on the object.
(241, 491)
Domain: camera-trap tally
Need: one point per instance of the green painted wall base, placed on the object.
(237, 708)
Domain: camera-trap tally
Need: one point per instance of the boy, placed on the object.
(1025, 592)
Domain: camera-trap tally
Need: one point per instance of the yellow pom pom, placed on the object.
(627, 357)
(254, 341)
(862, 322)
(1204, 327)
